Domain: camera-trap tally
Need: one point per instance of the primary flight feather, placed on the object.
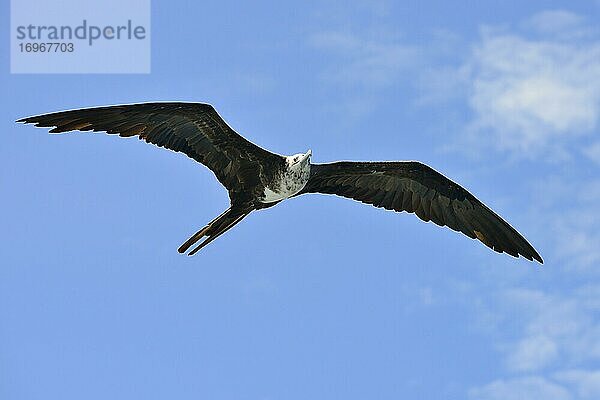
(256, 178)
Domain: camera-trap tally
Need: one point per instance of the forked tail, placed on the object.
(214, 229)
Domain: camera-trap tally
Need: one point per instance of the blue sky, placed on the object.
(320, 297)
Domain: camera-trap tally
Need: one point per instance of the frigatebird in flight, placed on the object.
(256, 178)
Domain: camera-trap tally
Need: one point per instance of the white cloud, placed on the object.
(558, 22)
(578, 384)
(533, 89)
(529, 388)
(546, 337)
(532, 353)
(559, 329)
(531, 94)
(585, 383)
(541, 336)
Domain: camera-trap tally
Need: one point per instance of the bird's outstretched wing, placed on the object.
(416, 188)
(194, 129)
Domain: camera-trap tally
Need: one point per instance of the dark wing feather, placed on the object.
(416, 188)
(194, 129)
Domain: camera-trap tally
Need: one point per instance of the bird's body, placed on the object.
(257, 179)
(290, 180)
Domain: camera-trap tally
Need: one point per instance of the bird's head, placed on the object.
(307, 155)
(300, 158)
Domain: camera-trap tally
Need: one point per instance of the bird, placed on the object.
(258, 179)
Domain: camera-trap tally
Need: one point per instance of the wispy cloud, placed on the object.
(531, 91)
(549, 337)
(532, 353)
(586, 384)
(571, 208)
(520, 389)
(532, 88)
(559, 330)
(554, 331)
(364, 64)
(377, 61)
(565, 385)
(559, 23)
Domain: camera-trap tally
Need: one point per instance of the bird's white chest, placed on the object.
(290, 182)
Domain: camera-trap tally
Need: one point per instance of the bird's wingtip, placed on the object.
(533, 256)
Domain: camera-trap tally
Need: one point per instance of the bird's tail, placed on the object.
(214, 229)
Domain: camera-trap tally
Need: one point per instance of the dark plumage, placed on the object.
(256, 178)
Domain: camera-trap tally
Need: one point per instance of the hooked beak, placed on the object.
(306, 158)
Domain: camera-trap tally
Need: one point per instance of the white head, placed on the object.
(300, 159)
